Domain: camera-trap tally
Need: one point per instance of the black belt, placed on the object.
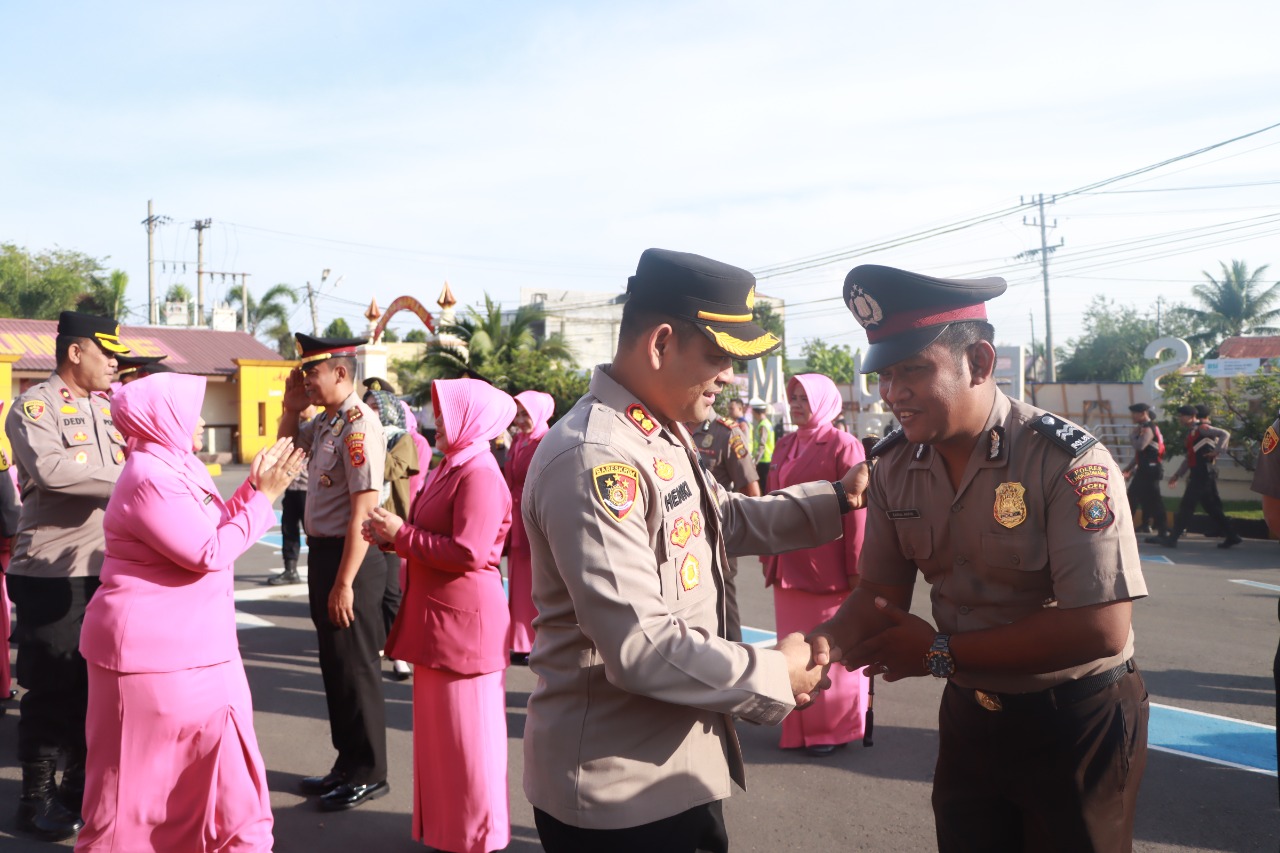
(1063, 695)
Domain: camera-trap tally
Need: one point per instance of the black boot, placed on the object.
(40, 812)
(71, 791)
(288, 576)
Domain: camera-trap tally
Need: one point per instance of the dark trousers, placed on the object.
(1144, 494)
(732, 620)
(349, 661)
(50, 612)
(699, 829)
(762, 471)
(390, 590)
(1202, 490)
(292, 505)
(1041, 779)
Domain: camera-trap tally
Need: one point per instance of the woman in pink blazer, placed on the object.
(173, 764)
(453, 624)
(533, 410)
(811, 584)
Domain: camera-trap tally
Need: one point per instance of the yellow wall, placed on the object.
(261, 386)
(9, 389)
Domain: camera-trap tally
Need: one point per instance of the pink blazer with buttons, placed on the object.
(166, 602)
(454, 613)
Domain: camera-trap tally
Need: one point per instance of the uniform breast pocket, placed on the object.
(1018, 561)
(76, 436)
(915, 541)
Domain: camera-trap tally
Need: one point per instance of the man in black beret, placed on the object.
(1017, 519)
(629, 541)
(134, 367)
(1204, 443)
(377, 383)
(69, 455)
(1145, 471)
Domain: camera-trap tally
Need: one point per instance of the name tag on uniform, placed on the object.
(899, 514)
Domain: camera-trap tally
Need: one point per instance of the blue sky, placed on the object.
(501, 145)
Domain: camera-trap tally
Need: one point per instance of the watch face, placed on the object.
(940, 664)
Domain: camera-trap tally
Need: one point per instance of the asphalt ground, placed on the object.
(1205, 644)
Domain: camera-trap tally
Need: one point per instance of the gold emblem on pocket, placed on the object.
(1010, 509)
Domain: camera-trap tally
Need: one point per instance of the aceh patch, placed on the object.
(1090, 482)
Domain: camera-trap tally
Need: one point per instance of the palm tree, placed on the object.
(487, 344)
(272, 307)
(106, 298)
(1233, 305)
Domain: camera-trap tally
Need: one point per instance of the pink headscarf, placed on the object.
(540, 406)
(474, 413)
(824, 398)
(160, 415)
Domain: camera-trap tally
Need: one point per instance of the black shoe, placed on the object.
(1158, 539)
(821, 750)
(314, 786)
(288, 576)
(71, 791)
(40, 812)
(1229, 541)
(350, 796)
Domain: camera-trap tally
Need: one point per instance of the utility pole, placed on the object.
(199, 227)
(1032, 315)
(311, 297)
(244, 298)
(1051, 370)
(151, 222)
(1158, 317)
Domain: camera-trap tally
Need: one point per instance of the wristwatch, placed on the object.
(938, 659)
(842, 496)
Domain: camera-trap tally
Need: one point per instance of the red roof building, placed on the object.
(1260, 346)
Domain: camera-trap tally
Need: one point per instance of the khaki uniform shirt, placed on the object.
(1266, 476)
(722, 446)
(1031, 526)
(347, 455)
(631, 719)
(69, 456)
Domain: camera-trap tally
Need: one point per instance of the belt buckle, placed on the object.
(990, 701)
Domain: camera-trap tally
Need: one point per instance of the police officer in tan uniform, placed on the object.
(1018, 520)
(629, 739)
(722, 450)
(69, 455)
(1266, 482)
(345, 577)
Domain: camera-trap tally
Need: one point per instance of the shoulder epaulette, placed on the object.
(887, 443)
(726, 422)
(1062, 433)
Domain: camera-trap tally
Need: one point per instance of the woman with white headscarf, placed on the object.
(809, 585)
(453, 624)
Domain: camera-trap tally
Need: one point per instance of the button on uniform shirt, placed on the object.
(69, 456)
(1031, 526)
(722, 446)
(347, 456)
(631, 719)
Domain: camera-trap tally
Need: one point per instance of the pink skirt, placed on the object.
(520, 596)
(460, 800)
(5, 627)
(839, 715)
(173, 764)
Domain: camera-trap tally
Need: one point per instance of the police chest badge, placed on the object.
(1090, 482)
(664, 469)
(707, 440)
(355, 448)
(33, 409)
(1010, 509)
(1270, 439)
(616, 486)
(690, 572)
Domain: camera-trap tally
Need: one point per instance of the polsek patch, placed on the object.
(355, 448)
(1090, 483)
(616, 487)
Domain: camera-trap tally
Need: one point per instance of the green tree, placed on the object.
(1246, 407)
(268, 315)
(177, 293)
(40, 286)
(337, 328)
(390, 336)
(1233, 305)
(415, 336)
(106, 296)
(1114, 340)
(762, 314)
(834, 362)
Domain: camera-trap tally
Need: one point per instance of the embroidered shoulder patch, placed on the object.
(616, 487)
(640, 418)
(33, 409)
(887, 443)
(737, 446)
(1090, 483)
(1063, 434)
(4, 461)
(355, 448)
(1270, 439)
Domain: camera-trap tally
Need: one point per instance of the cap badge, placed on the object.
(751, 298)
(1010, 509)
(616, 487)
(865, 309)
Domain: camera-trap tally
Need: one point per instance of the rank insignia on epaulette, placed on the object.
(664, 469)
(354, 414)
(1064, 434)
(1090, 483)
(66, 394)
(690, 572)
(887, 442)
(638, 416)
(617, 486)
(33, 409)
(1270, 439)
(726, 422)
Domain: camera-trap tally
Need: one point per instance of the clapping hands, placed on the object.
(275, 467)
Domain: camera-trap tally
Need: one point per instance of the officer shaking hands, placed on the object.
(1018, 520)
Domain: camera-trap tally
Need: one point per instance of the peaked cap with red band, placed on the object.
(311, 349)
(904, 312)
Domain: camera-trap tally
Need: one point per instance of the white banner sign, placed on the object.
(1221, 367)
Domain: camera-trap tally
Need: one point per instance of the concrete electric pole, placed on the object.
(1051, 369)
(152, 222)
(199, 227)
